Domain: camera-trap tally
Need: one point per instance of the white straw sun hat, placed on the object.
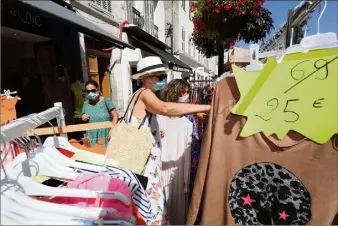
(149, 65)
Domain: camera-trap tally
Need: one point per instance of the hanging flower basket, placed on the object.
(220, 21)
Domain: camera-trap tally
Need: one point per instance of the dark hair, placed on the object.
(93, 83)
(174, 88)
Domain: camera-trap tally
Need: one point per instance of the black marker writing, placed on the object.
(270, 104)
(290, 112)
(297, 74)
(318, 103)
(324, 65)
(317, 69)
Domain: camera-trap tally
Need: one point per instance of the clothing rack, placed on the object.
(22, 125)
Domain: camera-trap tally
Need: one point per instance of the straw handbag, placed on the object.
(130, 145)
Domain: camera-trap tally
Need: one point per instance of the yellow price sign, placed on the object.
(299, 94)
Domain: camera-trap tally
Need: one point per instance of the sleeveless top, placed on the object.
(154, 189)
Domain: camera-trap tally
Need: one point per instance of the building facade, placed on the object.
(144, 25)
(179, 28)
(115, 17)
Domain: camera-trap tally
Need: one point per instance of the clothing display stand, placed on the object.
(22, 125)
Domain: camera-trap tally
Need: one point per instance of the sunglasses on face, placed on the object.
(160, 77)
(90, 91)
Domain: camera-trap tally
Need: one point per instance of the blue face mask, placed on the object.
(160, 85)
(93, 96)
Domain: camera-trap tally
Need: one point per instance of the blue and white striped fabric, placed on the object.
(139, 196)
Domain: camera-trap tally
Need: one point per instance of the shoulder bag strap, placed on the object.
(137, 93)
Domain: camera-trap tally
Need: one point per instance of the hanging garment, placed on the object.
(176, 150)
(253, 181)
(153, 171)
(140, 198)
(195, 152)
(137, 189)
(99, 112)
(8, 110)
(115, 209)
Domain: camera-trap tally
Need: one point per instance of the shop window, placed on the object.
(104, 5)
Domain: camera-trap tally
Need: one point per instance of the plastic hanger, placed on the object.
(29, 221)
(50, 145)
(8, 94)
(33, 188)
(313, 42)
(73, 211)
(49, 158)
(8, 221)
(20, 220)
(14, 206)
(34, 164)
(254, 65)
(57, 158)
(67, 162)
(60, 142)
(15, 169)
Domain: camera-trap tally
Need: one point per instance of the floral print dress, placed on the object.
(154, 190)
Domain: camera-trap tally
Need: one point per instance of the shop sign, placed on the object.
(179, 69)
(26, 16)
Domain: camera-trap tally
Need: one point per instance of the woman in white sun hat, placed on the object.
(146, 105)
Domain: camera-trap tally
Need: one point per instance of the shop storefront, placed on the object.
(41, 53)
(49, 59)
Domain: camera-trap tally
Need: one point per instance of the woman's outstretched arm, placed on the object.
(156, 106)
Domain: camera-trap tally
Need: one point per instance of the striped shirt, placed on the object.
(139, 196)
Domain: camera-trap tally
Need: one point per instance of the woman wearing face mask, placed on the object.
(143, 109)
(179, 90)
(98, 109)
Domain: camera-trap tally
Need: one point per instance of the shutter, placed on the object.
(151, 17)
(146, 16)
(97, 2)
(130, 10)
(106, 4)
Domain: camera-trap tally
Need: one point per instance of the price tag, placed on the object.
(299, 94)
